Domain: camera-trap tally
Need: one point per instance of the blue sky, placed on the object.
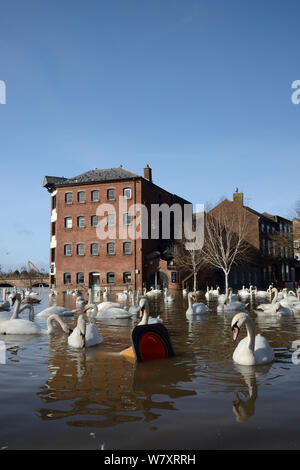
(199, 89)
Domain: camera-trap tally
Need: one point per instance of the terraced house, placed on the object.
(270, 238)
(87, 205)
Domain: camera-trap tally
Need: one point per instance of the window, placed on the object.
(263, 246)
(67, 278)
(52, 255)
(81, 221)
(68, 222)
(111, 194)
(110, 278)
(68, 198)
(53, 228)
(127, 193)
(268, 228)
(262, 227)
(95, 195)
(94, 220)
(80, 249)
(269, 247)
(273, 229)
(110, 220)
(173, 276)
(280, 227)
(81, 196)
(68, 249)
(80, 278)
(54, 202)
(94, 249)
(126, 219)
(111, 248)
(127, 277)
(127, 248)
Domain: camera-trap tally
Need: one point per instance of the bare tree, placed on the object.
(225, 242)
(188, 260)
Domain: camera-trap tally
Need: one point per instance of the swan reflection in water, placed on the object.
(243, 409)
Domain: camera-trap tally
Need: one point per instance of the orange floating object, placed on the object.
(149, 342)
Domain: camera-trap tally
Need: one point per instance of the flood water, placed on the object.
(56, 397)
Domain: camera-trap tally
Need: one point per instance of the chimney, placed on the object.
(238, 197)
(148, 173)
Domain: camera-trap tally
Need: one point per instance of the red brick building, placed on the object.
(270, 239)
(79, 257)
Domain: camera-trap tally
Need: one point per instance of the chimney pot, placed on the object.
(148, 173)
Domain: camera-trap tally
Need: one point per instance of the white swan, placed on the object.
(209, 294)
(18, 326)
(275, 307)
(16, 301)
(195, 308)
(122, 296)
(133, 309)
(253, 349)
(144, 313)
(112, 310)
(230, 305)
(5, 304)
(57, 310)
(85, 334)
(168, 298)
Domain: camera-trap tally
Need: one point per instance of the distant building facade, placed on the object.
(79, 258)
(296, 230)
(270, 239)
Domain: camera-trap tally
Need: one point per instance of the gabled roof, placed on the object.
(92, 176)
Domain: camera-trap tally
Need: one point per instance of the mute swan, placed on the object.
(133, 309)
(273, 306)
(112, 310)
(275, 309)
(144, 313)
(85, 334)
(18, 326)
(230, 305)
(209, 294)
(195, 308)
(122, 296)
(57, 310)
(167, 296)
(253, 349)
(5, 304)
(16, 301)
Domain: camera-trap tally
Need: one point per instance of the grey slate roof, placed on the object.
(92, 176)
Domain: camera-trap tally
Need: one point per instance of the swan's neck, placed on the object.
(275, 296)
(16, 309)
(50, 321)
(250, 333)
(145, 318)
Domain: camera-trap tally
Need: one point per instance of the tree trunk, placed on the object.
(226, 273)
(195, 281)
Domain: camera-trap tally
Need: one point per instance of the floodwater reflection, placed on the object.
(195, 400)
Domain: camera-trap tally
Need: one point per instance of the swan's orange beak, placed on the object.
(141, 312)
(236, 331)
(83, 339)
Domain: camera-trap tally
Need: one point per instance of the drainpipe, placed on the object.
(134, 244)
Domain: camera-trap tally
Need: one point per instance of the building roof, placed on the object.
(92, 176)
